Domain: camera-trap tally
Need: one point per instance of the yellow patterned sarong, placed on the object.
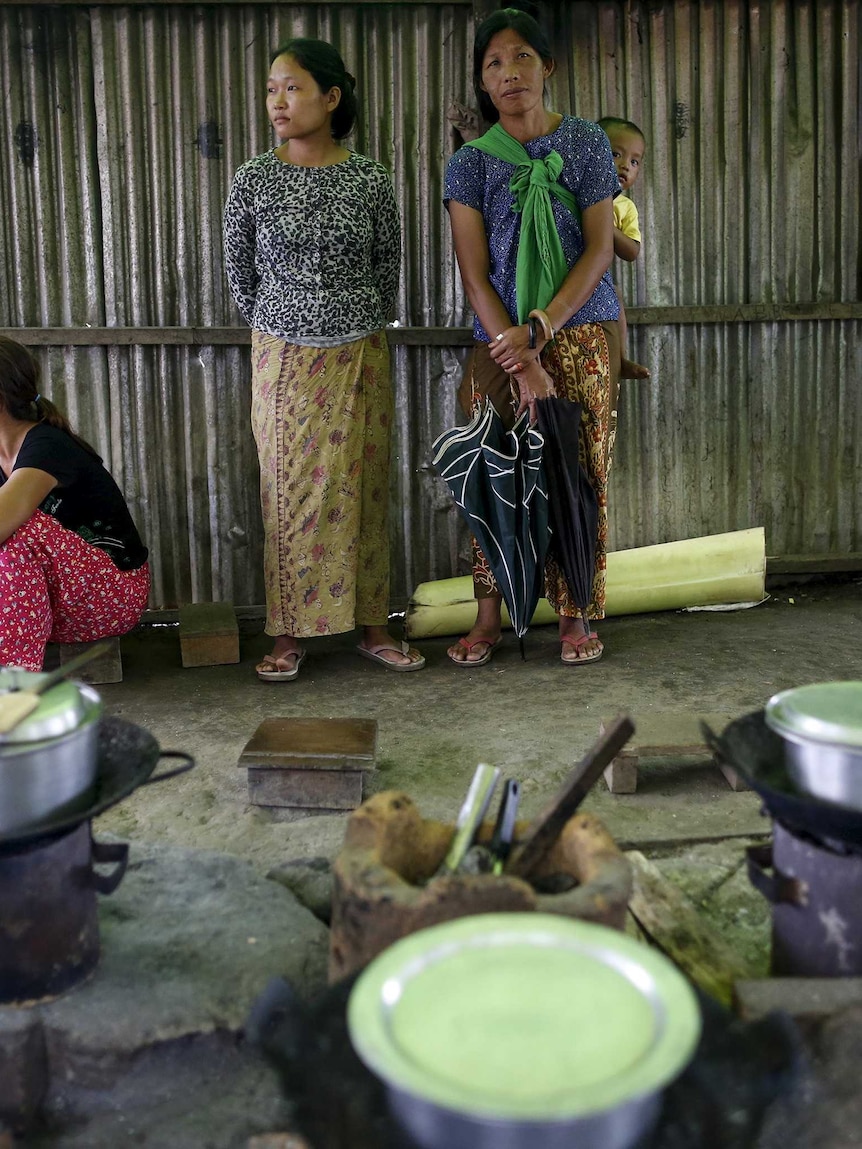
(322, 418)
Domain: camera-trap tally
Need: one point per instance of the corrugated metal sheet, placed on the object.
(122, 127)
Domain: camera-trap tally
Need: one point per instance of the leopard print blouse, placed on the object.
(313, 255)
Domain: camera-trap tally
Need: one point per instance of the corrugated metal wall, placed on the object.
(122, 127)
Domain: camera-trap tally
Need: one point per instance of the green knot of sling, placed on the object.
(541, 264)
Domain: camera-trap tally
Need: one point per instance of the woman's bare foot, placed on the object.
(578, 644)
(286, 653)
(378, 639)
(474, 649)
(483, 637)
(631, 370)
(284, 662)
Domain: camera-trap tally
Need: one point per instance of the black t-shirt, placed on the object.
(86, 499)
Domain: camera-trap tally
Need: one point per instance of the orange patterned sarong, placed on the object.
(584, 363)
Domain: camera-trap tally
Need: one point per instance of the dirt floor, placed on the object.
(533, 719)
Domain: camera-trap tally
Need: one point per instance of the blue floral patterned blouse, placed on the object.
(481, 181)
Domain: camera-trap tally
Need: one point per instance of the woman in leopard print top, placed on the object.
(312, 252)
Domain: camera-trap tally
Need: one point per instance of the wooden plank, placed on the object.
(208, 336)
(429, 336)
(544, 830)
(671, 922)
(321, 744)
(217, 3)
(670, 733)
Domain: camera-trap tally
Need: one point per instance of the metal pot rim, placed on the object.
(655, 1060)
(65, 708)
(821, 713)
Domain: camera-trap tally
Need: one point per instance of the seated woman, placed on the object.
(72, 564)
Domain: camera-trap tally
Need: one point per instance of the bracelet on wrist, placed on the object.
(542, 317)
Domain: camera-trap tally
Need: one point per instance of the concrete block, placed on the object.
(108, 667)
(209, 635)
(309, 763)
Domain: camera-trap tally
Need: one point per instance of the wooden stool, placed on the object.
(108, 667)
(309, 765)
(665, 735)
(209, 635)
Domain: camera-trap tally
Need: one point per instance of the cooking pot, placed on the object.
(821, 726)
(48, 761)
(523, 1031)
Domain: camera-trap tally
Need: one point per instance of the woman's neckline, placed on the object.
(542, 136)
(309, 167)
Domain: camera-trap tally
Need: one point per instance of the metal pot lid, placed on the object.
(61, 709)
(523, 1017)
(822, 712)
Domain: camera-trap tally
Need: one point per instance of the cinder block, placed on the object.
(311, 764)
(108, 667)
(209, 635)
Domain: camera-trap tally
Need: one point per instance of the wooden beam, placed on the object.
(207, 336)
(233, 3)
(743, 313)
(427, 336)
(671, 922)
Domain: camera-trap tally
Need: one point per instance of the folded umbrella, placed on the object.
(497, 482)
(573, 506)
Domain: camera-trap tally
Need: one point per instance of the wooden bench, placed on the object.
(665, 735)
(301, 766)
(209, 635)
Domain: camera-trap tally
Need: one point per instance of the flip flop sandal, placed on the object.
(577, 643)
(276, 675)
(375, 654)
(468, 646)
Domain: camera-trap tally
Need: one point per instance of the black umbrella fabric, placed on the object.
(497, 482)
(574, 512)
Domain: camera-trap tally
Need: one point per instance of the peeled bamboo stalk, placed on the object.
(669, 576)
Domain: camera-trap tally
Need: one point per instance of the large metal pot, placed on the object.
(821, 726)
(48, 762)
(523, 1031)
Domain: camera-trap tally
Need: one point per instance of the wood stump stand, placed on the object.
(209, 634)
(390, 852)
(309, 765)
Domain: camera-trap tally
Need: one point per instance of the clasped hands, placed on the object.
(511, 350)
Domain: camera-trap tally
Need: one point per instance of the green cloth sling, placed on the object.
(541, 265)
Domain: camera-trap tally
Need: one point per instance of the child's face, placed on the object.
(627, 149)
